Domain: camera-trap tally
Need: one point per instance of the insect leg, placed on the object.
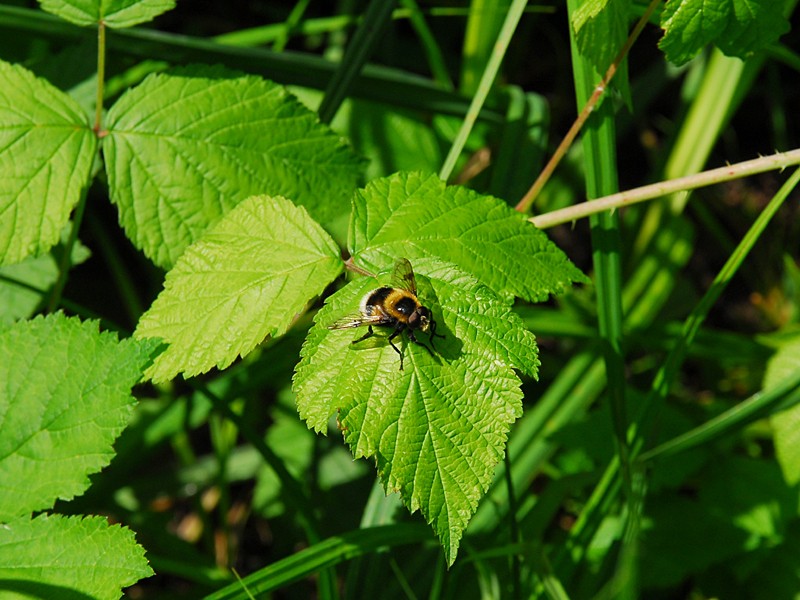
(369, 333)
(395, 333)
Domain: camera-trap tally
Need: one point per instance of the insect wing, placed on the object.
(358, 320)
(367, 315)
(404, 276)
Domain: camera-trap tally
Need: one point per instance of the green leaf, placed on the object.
(184, 148)
(393, 140)
(438, 428)
(65, 398)
(46, 153)
(601, 27)
(114, 13)
(245, 279)
(738, 27)
(17, 301)
(417, 216)
(786, 424)
(68, 557)
(389, 138)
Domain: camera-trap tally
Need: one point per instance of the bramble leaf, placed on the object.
(245, 279)
(186, 147)
(416, 216)
(64, 400)
(46, 153)
(53, 556)
(737, 27)
(114, 13)
(438, 428)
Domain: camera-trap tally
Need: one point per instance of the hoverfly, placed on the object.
(397, 307)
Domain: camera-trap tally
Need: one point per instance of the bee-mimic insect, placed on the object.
(396, 307)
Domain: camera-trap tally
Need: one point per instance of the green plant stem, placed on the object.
(433, 53)
(65, 261)
(323, 555)
(71, 306)
(489, 75)
(781, 397)
(516, 536)
(358, 50)
(380, 84)
(101, 75)
(118, 269)
(221, 444)
(779, 161)
(668, 372)
(589, 106)
(290, 25)
(292, 487)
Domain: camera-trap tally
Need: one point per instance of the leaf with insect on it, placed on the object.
(437, 429)
(418, 216)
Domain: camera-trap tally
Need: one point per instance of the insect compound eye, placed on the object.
(422, 318)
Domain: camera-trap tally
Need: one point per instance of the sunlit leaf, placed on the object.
(114, 13)
(247, 278)
(46, 152)
(186, 147)
(416, 216)
(438, 428)
(66, 396)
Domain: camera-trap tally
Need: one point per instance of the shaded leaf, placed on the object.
(601, 27)
(737, 27)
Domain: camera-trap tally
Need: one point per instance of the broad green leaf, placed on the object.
(53, 556)
(65, 398)
(392, 140)
(17, 301)
(737, 27)
(184, 148)
(114, 13)
(46, 152)
(438, 428)
(247, 278)
(416, 216)
(786, 424)
(601, 27)
(389, 138)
